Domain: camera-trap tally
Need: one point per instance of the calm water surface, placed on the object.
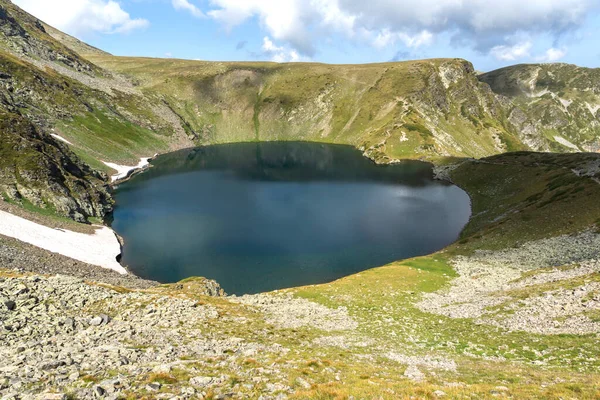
(263, 216)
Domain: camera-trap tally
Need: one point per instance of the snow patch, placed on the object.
(538, 94)
(593, 108)
(124, 170)
(62, 139)
(566, 143)
(566, 103)
(101, 248)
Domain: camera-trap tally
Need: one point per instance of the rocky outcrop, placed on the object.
(25, 37)
(552, 106)
(39, 170)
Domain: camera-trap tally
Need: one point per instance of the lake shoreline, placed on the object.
(134, 171)
(323, 168)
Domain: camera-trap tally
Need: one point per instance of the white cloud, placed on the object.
(386, 38)
(270, 47)
(414, 23)
(284, 20)
(187, 6)
(511, 53)
(279, 53)
(552, 55)
(80, 17)
(423, 38)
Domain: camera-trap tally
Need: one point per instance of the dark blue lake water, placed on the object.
(264, 216)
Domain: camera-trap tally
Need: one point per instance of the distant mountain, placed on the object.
(118, 109)
(552, 106)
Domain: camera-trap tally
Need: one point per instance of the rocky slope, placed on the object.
(46, 91)
(552, 106)
(511, 310)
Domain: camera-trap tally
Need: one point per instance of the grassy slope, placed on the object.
(541, 198)
(519, 197)
(105, 116)
(394, 110)
(492, 362)
(99, 126)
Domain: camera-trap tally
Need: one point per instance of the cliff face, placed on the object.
(553, 106)
(46, 174)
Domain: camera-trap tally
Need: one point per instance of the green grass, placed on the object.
(525, 196)
(98, 136)
(362, 105)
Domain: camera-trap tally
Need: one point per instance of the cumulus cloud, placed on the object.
(552, 55)
(80, 17)
(511, 53)
(286, 20)
(386, 38)
(278, 53)
(187, 6)
(477, 24)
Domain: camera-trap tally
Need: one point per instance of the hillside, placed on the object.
(511, 310)
(398, 110)
(552, 106)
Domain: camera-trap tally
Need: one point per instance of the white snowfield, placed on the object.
(101, 248)
(124, 170)
(566, 143)
(62, 139)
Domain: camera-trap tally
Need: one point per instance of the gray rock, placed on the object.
(52, 365)
(10, 305)
(99, 391)
(51, 396)
(413, 373)
(153, 386)
(201, 381)
(105, 318)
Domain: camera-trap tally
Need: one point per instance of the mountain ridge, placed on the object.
(121, 109)
(511, 310)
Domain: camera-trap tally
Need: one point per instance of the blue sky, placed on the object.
(335, 31)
